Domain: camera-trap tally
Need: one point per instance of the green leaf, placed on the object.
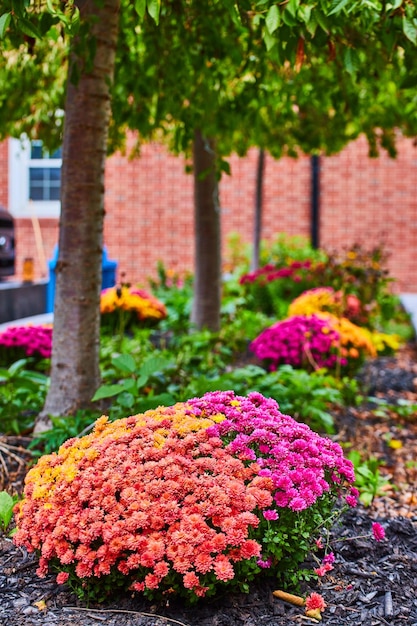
(272, 19)
(393, 5)
(125, 363)
(6, 508)
(154, 7)
(292, 7)
(28, 28)
(129, 384)
(4, 23)
(349, 61)
(153, 365)
(322, 21)
(17, 366)
(141, 381)
(224, 166)
(107, 391)
(140, 8)
(304, 13)
(337, 6)
(269, 40)
(152, 402)
(410, 29)
(74, 24)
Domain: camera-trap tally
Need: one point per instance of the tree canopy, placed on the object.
(285, 77)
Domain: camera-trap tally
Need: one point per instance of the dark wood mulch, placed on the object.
(372, 583)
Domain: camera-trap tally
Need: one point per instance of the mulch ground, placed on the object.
(372, 583)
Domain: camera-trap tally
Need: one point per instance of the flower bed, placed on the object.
(183, 499)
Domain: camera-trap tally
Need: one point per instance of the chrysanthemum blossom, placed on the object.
(315, 601)
(378, 531)
(145, 305)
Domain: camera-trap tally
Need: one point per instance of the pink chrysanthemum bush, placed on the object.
(301, 341)
(18, 342)
(320, 340)
(184, 499)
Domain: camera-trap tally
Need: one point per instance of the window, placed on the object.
(34, 179)
(44, 173)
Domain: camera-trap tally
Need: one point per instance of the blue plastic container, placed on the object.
(109, 269)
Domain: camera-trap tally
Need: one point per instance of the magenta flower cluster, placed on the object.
(301, 464)
(268, 273)
(300, 341)
(32, 340)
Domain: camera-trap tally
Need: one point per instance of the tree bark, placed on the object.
(207, 266)
(257, 230)
(75, 373)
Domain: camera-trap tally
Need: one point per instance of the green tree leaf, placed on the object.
(140, 7)
(154, 7)
(28, 28)
(272, 19)
(410, 29)
(337, 6)
(4, 23)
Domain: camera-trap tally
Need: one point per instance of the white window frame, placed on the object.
(20, 162)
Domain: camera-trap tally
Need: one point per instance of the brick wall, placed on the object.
(149, 208)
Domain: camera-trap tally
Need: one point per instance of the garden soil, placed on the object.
(372, 583)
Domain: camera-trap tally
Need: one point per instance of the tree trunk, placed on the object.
(257, 231)
(75, 373)
(207, 266)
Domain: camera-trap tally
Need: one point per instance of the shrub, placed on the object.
(184, 499)
(313, 342)
(326, 299)
(301, 341)
(22, 395)
(124, 307)
(360, 275)
(273, 288)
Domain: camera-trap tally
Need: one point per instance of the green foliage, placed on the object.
(292, 267)
(402, 409)
(369, 480)
(289, 541)
(284, 248)
(22, 395)
(7, 503)
(63, 428)
(176, 292)
(133, 391)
